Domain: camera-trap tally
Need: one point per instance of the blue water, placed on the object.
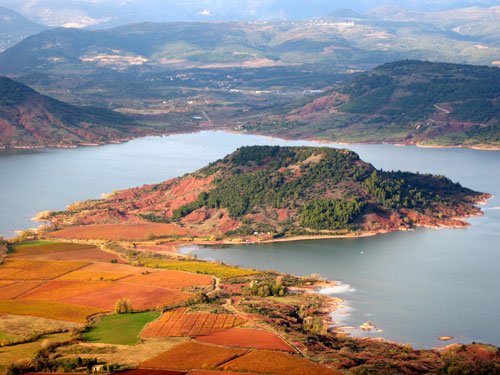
(416, 286)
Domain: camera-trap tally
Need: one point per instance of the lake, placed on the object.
(416, 286)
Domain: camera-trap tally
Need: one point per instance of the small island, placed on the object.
(273, 193)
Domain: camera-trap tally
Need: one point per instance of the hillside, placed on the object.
(14, 28)
(29, 119)
(271, 192)
(412, 102)
(341, 39)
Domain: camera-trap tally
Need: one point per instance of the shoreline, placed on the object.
(282, 137)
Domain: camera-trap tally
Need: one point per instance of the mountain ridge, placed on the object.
(29, 119)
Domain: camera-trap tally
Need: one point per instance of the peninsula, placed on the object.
(269, 193)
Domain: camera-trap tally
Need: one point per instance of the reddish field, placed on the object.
(148, 372)
(14, 290)
(142, 297)
(113, 268)
(58, 290)
(170, 280)
(192, 355)
(91, 254)
(214, 372)
(265, 361)
(48, 248)
(49, 310)
(178, 323)
(246, 338)
(93, 276)
(38, 270)
(116, 232)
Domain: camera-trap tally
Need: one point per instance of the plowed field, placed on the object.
(142, 297)
(170, 280)
(264, 361)
(178, 323)
(247, 338)
(116, 232)
(192, 355)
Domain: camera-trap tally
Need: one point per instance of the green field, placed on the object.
(5, 337)
(123, 329)
(218, 270)
(32, 243)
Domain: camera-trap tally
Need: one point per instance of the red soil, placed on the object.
(149, 372)
(192, 355)
(170, 280)
(247, 338)
(116, 232)
(212, 372)
(14, 290)
(93, 254)
(142, 297)
(113, 268)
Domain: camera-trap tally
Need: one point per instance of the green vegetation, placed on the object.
(120, 329)
(31, 243)
(330, 214)
(246, 188)
(208, 268)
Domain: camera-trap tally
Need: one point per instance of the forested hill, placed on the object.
(286, 191)
(413, 102)
(30, 119)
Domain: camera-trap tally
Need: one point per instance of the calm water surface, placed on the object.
(416, 285)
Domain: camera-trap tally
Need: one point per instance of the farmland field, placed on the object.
(46, 248)
(49, 310)
(192, 355)
(265, 361)
(37, 269)
(15, 290)
(115, 232)
(92, 254)
(179, 323)
(26, 351)
(24, 326)
(246, 338)
(143, 297)
(170, 280)
(82, 275)
(219, 270)
(122, 329)
(57, 290)
(129, 355)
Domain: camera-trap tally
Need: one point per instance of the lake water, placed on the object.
(416, 286)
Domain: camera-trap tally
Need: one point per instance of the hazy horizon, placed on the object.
(88, 13)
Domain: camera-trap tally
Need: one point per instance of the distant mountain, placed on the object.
(411, 102)
(29, 119)
(269, 192)
(14, 28)
(107, 13)
(354, 43)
